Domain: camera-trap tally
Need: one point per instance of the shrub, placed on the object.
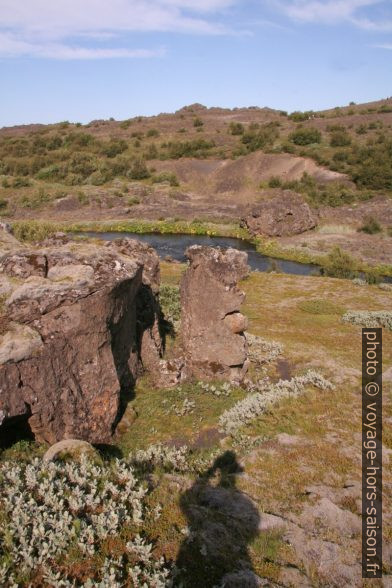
(114, 147)
(133, 200)
(33, 230)
(195, 148)
(139, 170)
(98, 178)
(305, 136)
(3, 203)
(263, 138)
(169, 299)
(369, 318)
(236, 128)
(298, 116)
(274, 182)
(198, 122)
(340, 139)
(52, 512)
(320, 306)
(152, 133)
(245, 411)
(373, 276)
(21, 183)
(371, 226)
(166, 176)
(339, 264)
(152, 152)
(125, 124)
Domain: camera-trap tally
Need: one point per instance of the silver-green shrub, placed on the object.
(262, 351)
(369, 318)
(52, 508)
(269, 394)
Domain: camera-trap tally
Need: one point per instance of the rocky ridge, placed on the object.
(81, 321)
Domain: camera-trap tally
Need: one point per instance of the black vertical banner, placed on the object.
(372, 453)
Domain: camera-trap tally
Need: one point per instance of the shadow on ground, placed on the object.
(222, 522)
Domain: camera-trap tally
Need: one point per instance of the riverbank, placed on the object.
(32, 230)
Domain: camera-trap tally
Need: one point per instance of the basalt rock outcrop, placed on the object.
(79, 321)
(212, 326)
(284, 215)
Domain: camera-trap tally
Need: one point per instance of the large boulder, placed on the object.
(281, 216)
(212, 325)
(72, 347)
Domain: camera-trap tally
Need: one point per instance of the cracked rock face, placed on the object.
(212, 325)
(284, 215)
(73, 343)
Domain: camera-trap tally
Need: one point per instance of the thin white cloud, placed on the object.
(338, 11)
(387, 46)
(59, 28)
(10, 46)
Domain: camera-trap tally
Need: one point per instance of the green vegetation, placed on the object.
(371, 226)
(236, 128)
(199, 148)
(340, 139)
(165, 176)
(305, 136)
(330, 194)
(198, 122)
(298, 116)
(260, 137)
(320, 306)
(339, 264)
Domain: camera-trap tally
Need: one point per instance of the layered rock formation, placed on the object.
(212, 326)
(284, 215)
(78, 321)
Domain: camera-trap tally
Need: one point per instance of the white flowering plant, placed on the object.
(268, 394)
(369, 318)
(58, 512)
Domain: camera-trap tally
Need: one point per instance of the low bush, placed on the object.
(245, 411)
(138, 170)
(274, 182)
(166, 176)
(371, 226)
(262, 138)
(340, 139)
(152, 133)
(339, 264)
(369, 319)
(33, 230)
(320, 306)
(236, 128)
(305, 136)
(54, 514)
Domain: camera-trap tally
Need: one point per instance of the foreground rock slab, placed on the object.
(75, 318)
(212, 325)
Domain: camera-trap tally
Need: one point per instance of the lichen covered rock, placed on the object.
(284, 215)
(73, 345)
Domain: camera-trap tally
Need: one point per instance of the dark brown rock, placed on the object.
(75, 350)
(212, 325)
(23, 265)
(148, 308)
(284, 215)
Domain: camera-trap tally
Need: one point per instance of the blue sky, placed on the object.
(80, 60)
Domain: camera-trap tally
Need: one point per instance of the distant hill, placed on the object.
(231, 154)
